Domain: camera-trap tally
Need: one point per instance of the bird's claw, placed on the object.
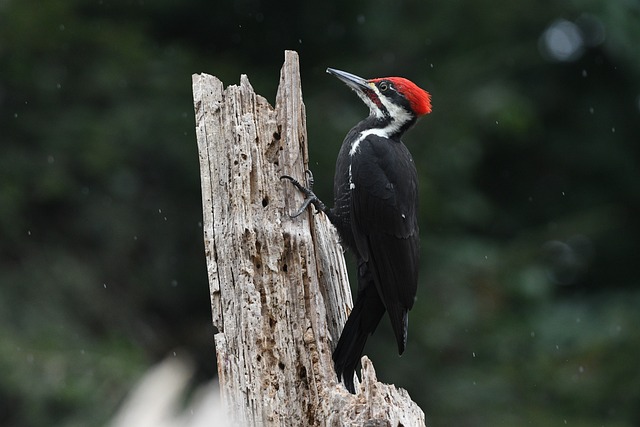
(310, 180)
(309, 195)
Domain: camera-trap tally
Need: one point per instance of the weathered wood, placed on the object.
(279, 287)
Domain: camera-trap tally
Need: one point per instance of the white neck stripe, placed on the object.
(397, 115)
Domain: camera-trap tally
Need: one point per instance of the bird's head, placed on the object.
(394, 99)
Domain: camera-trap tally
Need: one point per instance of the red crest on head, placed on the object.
(419, 99)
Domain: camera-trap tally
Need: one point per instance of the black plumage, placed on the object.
(378, 222)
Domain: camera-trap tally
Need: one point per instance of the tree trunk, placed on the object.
(279, 288)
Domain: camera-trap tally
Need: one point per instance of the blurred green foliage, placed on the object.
(528, 308)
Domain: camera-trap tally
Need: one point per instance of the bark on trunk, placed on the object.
(279, 288)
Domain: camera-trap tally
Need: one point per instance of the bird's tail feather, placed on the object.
(400, 323)
(363, 320)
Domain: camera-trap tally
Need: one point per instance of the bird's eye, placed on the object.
(383, 86)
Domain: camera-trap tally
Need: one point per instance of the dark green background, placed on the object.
(527, 311)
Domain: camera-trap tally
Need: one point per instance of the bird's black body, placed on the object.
(377, 219)
(375, 213)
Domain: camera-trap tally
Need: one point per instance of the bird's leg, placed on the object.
(309, 196)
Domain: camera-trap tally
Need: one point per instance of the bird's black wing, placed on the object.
(384, 223)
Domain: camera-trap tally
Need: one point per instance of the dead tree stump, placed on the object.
(279, 287)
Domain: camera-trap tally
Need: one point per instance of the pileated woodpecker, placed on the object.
(375, 212)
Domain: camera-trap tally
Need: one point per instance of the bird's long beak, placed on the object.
(351, 80)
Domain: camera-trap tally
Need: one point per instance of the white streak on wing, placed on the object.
(351, 184)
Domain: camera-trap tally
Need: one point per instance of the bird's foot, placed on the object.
(309, 196)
